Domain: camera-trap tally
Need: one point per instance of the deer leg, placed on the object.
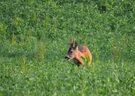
(80, 60)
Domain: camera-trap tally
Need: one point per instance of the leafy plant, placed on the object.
(34, 40)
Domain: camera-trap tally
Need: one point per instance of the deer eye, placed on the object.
(71, 51)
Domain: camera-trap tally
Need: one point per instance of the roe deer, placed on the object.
(78, 53)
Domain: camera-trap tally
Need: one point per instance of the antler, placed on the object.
(72, 42)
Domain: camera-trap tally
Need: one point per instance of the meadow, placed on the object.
(34, 36)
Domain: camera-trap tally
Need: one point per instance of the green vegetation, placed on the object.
(34, 36)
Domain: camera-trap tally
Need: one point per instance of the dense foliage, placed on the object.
(34, 40)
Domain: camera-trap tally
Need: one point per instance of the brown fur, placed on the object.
(76, 53)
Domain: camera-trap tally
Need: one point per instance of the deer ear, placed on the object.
(76, 48)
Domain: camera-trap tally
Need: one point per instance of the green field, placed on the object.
(34, 36)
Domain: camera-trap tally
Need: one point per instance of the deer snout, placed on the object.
(67, 57)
